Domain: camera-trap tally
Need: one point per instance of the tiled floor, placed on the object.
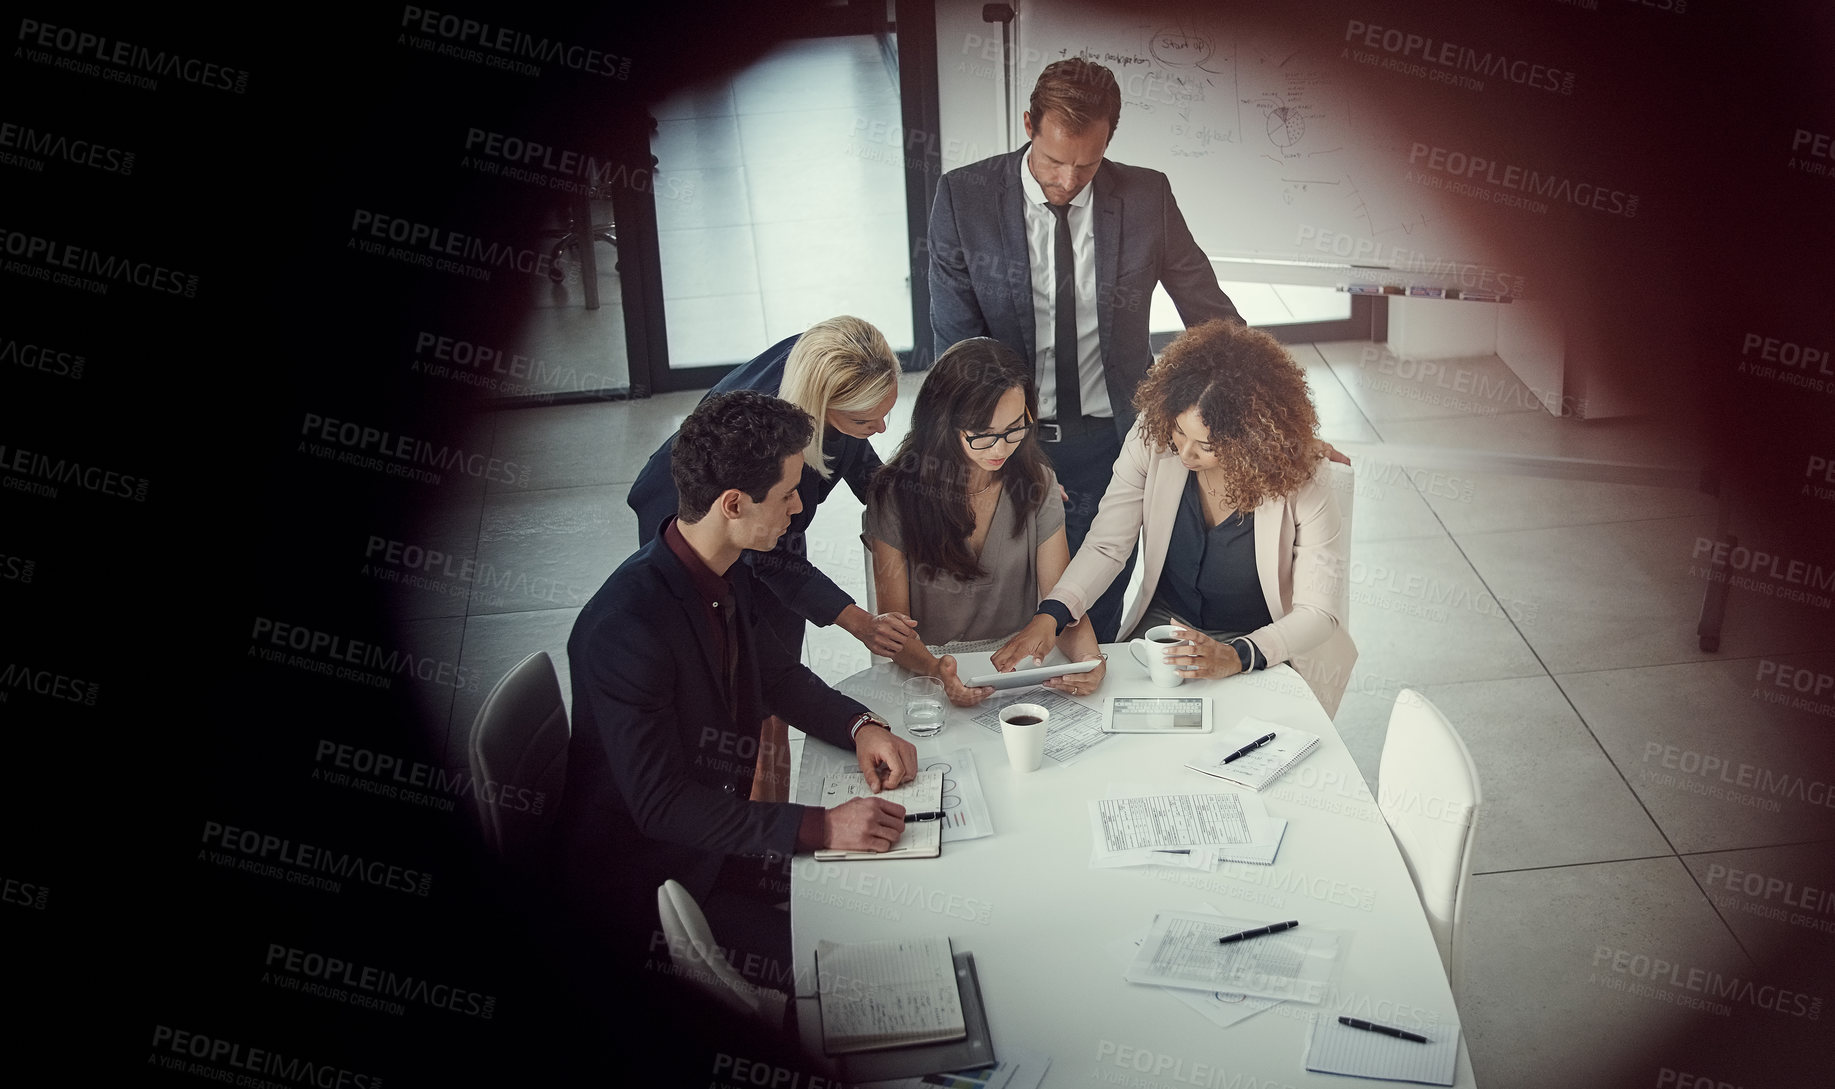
(1553, 622)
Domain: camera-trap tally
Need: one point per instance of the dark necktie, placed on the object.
(730, 630)
(1070, 396)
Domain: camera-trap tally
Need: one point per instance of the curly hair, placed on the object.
(1250, 394)
(734, 440)
(926, 479)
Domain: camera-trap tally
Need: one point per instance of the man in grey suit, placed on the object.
(1054, 251)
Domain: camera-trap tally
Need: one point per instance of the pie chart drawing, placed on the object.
(1285, 126)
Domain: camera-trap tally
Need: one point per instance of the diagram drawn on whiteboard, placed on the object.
(1286, 124)
(1184, 47)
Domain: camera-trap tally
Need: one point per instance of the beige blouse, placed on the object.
(951, 609)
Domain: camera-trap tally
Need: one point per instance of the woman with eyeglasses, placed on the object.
(966, 521)
(1224, 481)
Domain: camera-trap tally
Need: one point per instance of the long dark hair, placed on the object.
(926, 481)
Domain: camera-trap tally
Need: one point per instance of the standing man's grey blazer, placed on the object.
(980, 277)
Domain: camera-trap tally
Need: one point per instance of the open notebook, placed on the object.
(921, 839)
(897, 993)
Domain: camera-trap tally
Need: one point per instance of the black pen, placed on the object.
(1250, 747)
(1272, 928)
(931, 816)
(1384, 1029)
(1172, 851)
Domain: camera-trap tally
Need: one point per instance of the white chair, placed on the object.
(698, 959)
(1427, 789)
(519, 740)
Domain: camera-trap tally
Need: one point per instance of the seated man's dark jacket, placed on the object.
(658, 773)
(802, 587)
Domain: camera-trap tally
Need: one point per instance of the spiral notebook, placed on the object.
(924, 794)
(1257, 769)
(1340, 1049)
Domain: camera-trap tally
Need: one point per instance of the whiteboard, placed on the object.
(1271, 150)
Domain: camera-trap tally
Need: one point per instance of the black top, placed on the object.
(663, 753)
(1209, 577)
(785, 569)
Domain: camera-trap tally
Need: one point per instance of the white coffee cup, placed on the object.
(1151, 652)
(1025, 740)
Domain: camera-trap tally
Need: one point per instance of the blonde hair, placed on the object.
(842, 364)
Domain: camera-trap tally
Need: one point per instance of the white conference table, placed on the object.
(1047, 930)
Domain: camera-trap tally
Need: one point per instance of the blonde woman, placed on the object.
(1223, 479)
(844, 374)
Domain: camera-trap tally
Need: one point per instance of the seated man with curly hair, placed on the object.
(1243, 545)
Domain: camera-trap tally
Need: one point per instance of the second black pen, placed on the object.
(1272, 928)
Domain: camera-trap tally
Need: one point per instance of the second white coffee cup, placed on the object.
(1151, 652)
(1022, 727)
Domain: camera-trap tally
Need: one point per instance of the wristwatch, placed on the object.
(1248, 653)
(864, 720)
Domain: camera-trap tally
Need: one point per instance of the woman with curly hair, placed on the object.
(966, 521)
(1244, 547)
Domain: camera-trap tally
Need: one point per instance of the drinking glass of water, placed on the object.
(924, 706)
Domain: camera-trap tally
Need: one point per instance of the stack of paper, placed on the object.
(965, 807)
(1072, 730)
(1182, 950)
(1220, 1008)
(1261, 850)
(1257, 769)
(1134, 826)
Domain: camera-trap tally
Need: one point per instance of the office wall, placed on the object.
(1614, 161)
(1266, 129)
(971, 78)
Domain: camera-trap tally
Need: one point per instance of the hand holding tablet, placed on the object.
(1020, 678)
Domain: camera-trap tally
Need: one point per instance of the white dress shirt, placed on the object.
(1041, 252)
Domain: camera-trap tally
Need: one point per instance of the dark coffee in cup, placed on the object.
(1025, 720)
(1168, 641)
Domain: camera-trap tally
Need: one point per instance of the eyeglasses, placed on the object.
(1012, 435)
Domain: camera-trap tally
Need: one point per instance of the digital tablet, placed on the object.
(1020, 678)
(1157, 715)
